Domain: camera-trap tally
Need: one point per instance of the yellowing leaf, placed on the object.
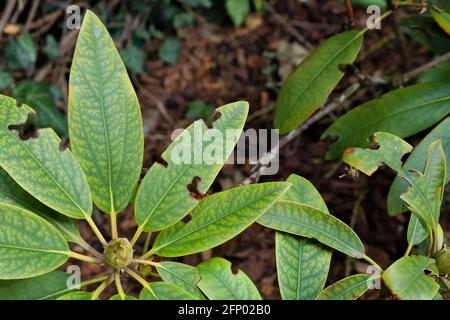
(442, 18)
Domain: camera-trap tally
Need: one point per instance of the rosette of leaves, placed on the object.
(47, 188)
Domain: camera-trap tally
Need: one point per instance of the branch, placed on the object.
(424, 68)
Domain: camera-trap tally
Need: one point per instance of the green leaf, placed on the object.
(218, 218)
(302, 264)
(424, 197)
(310, 222)
(366, 3)
(349, 288)
(403, 112)
(440, 73)
(198, 109)
(416, 232)
(442, 18)
(21, 53)
(118, 297)
(308, 87)
(164, 291)
(389, 150)
(160, 205)
(183, 19)
(238, 10)
(133, 58)
(218, 282)
(45, 287)
(51, 47)
(170, 50)
(38, 165)
(105, 122)
(12, 194)
(6, 80)
(29, 245)
(406, 278)
(416, 161)
(40, 97)
(182, 275)
(79, 295)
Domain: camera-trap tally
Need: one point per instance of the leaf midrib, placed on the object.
(33, 249)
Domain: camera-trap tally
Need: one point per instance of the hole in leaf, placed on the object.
(25, 131)
(215, 115)
(346, 68)
(186, 219)
(193, 188)
(64, 144)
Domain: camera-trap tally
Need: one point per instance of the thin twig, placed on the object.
(424, 68)
(9, 7)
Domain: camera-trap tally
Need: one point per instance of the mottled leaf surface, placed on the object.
(402, 112)
(218, 282)
(349, 288)
(218, 218)
(164, 291)
(29, 246)
(310, 222)
(105, 124)
(302, 264)
(406, 278)
(307, 87)
(182, 275)
(52, 176)
(163, 197)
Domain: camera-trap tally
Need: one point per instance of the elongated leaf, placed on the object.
(425, 195)
(118, 297)
(406, 278)
(218, 218)
(238, 10)
(440, 73)
(182, 275)
(79, 295)
(390, 150)
(164, 291)
(302, 264)
(416, 231)
(52, 176)
(442, 18)
(45, 287)
(29, 246)
(309, 222)
(159, 205)
(218, 282)
(307, 88)
(349, 288)
(401, 112)
(12, 194)
(416, 161)
(105, 124)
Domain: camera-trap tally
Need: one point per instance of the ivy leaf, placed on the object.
(403, 112)
(21, 53)
(39, 95)
(12, 194)
(238, 10)
(390, 150)
(45, 287)
(218, 282)
(182, 275)
(38, 165)
(349, 288)
(133, 58)
(29, 246)
(302, 264)
(416, 161)
(442, 18)
(198, 109)
(164, 291)
(105, 121)
(218, 218)
(170, 50)
(425, 194)
(79, 295)
(308, 87)
(406, 278)
(160, 205)
(310, 222)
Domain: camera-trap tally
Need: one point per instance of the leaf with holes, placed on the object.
(389, 150)
(302, 264)
(29, 246)
(52, 176)
(310, 222)
(218, 282)
(105, 124)
(307, 88)
(193, 159)
(182, 275)
(164, 291)
(416, 161)
(218, 218)
(403, 112)
(12, 194)
(349, 288)
(406, 278)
